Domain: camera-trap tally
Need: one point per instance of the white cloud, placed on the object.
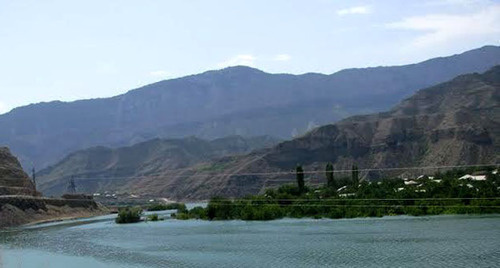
(442, 28)
(465, 3)
(282, 57)
(252, 61)
(243, 59)
(160, 73)
(354, 10)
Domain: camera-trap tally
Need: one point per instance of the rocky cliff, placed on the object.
(21, 204)
(13, 179)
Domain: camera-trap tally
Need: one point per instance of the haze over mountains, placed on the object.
(453, 123)
(214, 104)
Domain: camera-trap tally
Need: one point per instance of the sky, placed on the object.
(69, 50)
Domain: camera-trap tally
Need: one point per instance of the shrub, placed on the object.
(129, 215)
(220, 208)
(153, 217)
(198, 213)
(181, 216)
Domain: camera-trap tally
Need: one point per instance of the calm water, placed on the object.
(451, 241)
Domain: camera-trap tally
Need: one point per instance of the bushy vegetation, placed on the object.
(180, 207)
(153, 217)
(129, 215)
(444, 194)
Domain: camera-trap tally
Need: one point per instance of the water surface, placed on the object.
(437, 241)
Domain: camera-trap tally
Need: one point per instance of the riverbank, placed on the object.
(21, 210)
(448, 193)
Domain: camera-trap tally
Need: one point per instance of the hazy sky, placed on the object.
(67, 50)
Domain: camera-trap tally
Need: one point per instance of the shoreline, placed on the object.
(28, 210)
(61, 219)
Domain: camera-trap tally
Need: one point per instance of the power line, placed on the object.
(379, 206)
(165, 173)
(370, 199)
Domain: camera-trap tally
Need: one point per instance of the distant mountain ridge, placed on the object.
(453, 123)
(232, 101)
(92, 167)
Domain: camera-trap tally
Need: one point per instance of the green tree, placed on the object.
(300, 178)
(220, 208)
(355, 175)
(329, 176)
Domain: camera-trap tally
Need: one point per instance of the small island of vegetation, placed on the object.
(129, 215)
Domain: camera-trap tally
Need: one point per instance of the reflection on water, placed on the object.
(454, 241)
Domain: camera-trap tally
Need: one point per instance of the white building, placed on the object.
(473, 177)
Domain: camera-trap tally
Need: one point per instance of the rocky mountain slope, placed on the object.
(453, 123)
(101, 168)
(237, 100)
(20, 203)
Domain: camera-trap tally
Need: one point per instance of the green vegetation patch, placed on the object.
(153, 217)
(129, 215)
(180, 207)
(349, 198)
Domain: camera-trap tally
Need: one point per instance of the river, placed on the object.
(402, 241)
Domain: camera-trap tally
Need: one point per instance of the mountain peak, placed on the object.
(237, 70)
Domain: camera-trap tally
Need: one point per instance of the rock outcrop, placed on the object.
(13, 179)
(20, 203)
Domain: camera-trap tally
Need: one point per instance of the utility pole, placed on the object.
(72, 185)
(33, 176)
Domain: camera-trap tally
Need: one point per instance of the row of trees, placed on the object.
(330, 178)
(390, 196)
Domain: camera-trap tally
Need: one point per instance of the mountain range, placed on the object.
(452, 123)
(232, 101)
